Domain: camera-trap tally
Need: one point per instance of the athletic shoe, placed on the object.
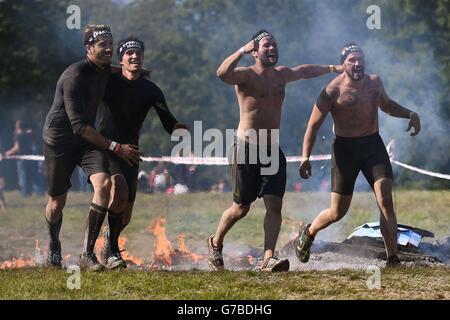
(115, 261)
(89, 262)
(274, 264)
(303, 244)
(215, 259)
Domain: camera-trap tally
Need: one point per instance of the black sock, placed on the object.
(115, 227)
(53, 232)
(94, 223)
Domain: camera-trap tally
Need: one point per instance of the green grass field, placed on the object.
(196, 216)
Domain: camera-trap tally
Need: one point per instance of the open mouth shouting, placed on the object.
(358, 72)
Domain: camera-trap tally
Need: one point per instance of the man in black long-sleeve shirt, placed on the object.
(70, 140)
(128, 99)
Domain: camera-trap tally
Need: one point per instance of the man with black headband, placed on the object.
(260, 91)
(353, 99)
(128, 99)
(71, 140)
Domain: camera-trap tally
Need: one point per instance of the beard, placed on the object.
(103, 58)
(356, 74)
(269, 62)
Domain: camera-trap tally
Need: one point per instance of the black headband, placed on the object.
(103, 33)
(348, 50)
(128, 45)
(262, 35)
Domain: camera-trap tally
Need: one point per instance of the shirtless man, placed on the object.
(353, 99)
(260, 90)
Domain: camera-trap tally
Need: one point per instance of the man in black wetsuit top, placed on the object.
(71, 140)
(128, 99)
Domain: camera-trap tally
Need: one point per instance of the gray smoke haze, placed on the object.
(315, 35)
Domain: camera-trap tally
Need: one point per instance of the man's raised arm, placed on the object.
(392, 108)
(228, 72)
(308, 71)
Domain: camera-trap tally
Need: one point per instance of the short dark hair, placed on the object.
(88, 35)
(121, 52)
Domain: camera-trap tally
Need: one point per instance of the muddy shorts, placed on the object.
(255, 175)
(60, 164)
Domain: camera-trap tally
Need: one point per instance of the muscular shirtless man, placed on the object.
(260, 91)
(353, 99)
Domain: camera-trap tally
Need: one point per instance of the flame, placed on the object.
(122, 241)
(21, 262)
(126, 256)
(15, 263)
(163, 253)
(162, 246)
(183, 249)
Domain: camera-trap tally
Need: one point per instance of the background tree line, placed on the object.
(186, 40)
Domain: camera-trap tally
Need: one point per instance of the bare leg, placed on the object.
(101, 183)
(272, 224)
(388, 220)
(119, 194)
(54, 208)
(339, 207)
(126, 217)
(228, 219)
(54, 215)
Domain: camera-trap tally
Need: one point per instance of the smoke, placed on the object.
(307, 32)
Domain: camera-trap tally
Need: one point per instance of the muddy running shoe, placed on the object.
(89, 262)
(303, 244)
(393, 262)
(273, 264)
(105, 253)
(54, 259)
(115, 262)
(215, 259)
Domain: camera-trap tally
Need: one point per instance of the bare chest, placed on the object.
(268, 91)
(357, 101)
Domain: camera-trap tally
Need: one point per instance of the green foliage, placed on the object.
(196, 216)
(187, 40)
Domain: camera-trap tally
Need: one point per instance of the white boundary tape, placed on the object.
(224, 161)
(426, 172)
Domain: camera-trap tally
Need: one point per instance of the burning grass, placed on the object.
(169, 233)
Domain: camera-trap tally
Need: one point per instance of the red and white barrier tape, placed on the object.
(426, 172)
(224, 161)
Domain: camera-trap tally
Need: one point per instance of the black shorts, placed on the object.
(60, 164)
(247, 172)
(130, 173)
(350, 155)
